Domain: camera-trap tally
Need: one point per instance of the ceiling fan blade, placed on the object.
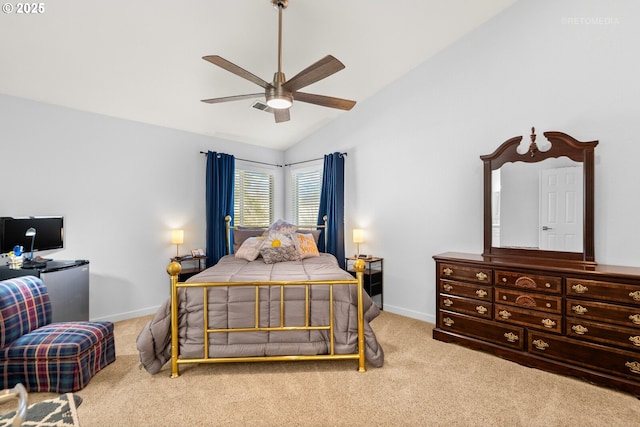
(313, 73)
(281, 115)
(231, 67)
(232, 98)
(325, 101)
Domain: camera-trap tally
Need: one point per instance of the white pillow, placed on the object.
(250, 248)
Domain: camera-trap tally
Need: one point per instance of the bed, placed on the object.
(261, 309)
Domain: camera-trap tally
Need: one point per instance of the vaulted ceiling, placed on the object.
(142, 59)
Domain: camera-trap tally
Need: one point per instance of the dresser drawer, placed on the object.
(600, 311)
(530, 318)
(466, 305)
(506, 335)
(628, 294)
(604, 333)
(462, 272)
(594, 356)
(543, 302)
(512, 279)
(477, 291)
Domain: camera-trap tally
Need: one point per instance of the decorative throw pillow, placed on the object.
(282, 227)
(273, 254)
(278, 247)
(250, 248)
(240, 234)
(305, 245)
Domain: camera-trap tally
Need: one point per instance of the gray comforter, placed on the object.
(233, 307)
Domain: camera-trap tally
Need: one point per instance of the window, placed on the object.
(253, 198)
(306, 186)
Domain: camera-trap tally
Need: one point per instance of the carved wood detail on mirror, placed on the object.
(539, 199)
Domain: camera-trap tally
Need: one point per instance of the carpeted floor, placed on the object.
(423, 383)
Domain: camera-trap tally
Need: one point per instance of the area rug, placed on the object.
(58, 412)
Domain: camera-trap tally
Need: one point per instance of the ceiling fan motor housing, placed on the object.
(280, 4)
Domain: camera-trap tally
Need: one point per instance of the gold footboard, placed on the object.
(174, 270)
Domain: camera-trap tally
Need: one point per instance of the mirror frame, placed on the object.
(561, 145)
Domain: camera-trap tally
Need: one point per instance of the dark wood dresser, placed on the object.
(562, 317)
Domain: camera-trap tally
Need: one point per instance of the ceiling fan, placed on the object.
(281, 93)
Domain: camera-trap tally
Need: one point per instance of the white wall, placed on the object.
(121, 186)
(414, 177)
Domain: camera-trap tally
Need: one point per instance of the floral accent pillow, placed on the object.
(279, 247)
(250, 248)
(282, 227)
(273, 254)
(305, 245)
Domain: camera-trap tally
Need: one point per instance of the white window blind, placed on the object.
(307, 185)
(253, 198)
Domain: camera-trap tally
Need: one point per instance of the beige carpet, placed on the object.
(423, 383)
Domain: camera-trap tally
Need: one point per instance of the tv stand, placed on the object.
(67, 283)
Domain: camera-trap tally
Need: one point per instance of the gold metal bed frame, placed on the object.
(174, 268)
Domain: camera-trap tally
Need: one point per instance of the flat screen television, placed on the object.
(49, 233)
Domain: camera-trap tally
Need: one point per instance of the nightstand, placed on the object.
(191, 265)
(372, 280)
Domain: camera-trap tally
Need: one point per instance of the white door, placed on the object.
(561, 209)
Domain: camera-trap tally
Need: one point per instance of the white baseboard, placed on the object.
(128, 315)
(410, 313)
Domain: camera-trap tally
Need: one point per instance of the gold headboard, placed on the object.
(229, 227)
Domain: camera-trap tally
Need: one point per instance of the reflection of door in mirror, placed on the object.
(517, 206)
(561, 209)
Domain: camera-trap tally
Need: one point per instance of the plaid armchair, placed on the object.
(44, 356)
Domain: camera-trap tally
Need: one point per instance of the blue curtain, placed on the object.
(332, 205)
(220, 174)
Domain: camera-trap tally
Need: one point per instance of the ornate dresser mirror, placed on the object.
(538, 201)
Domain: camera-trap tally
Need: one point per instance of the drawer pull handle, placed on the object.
(504, 280)
(511, 337)
(547, 285)
(578, 309)
(481, 309)
(548, 305)
(635, 319)
(548, 323)
(635, 295)
(526, 282)
(634, 367)
(447, 271)
(481, 276)
(635, 340)
(579, 329)
(447, 287)
(447, 302)
(540, 345)
(481, 293)
(448, 321)
(580, 289)
(504, 314)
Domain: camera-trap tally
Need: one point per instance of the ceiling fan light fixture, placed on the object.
(280, 101)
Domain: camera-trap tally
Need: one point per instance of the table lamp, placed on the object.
(177, 238)
(358, 237)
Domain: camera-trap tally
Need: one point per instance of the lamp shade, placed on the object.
(177, 237)
(358, 235)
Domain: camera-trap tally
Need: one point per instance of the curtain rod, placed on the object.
(311, 160)
(250, 161)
